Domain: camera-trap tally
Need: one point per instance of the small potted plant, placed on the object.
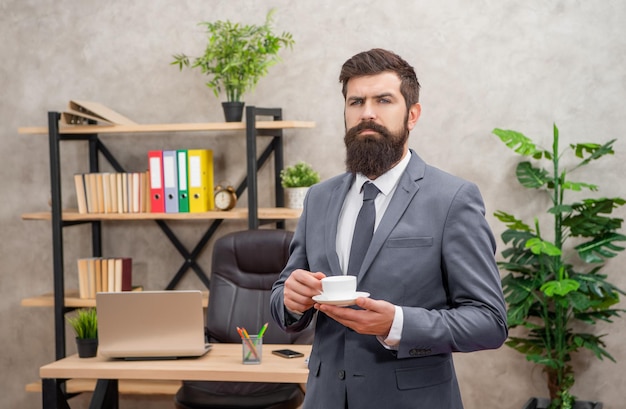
(296, 180)
(554, 286)
(235, 58)
(85, 325)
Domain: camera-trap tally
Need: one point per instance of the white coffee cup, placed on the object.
(339, 287)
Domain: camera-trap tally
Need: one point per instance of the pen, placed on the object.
(246, 338)
(259, 337)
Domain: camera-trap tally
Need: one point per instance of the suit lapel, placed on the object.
(402, 197)
(335, 203)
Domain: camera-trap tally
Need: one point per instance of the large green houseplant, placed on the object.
(554, 287)
(237, 56)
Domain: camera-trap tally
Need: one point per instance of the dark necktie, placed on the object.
(363, 229)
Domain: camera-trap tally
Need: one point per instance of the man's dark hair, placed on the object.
(376, 61)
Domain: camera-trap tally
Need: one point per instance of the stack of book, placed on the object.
(181, 180)
(98, 274)
(112, 192)
(88, 113)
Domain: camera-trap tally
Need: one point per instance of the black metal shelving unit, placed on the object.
(254, 162)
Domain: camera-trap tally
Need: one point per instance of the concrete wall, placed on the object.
(483, 64)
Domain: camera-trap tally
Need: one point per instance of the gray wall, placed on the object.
(483, 64)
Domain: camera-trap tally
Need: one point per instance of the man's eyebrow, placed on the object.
(378, 96)
(355, 97)
(385, 95)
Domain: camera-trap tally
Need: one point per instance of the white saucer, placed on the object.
(341, 302)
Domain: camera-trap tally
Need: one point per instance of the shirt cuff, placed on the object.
(291, 317)
(395, 333)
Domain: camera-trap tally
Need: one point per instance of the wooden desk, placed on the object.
(222, 363)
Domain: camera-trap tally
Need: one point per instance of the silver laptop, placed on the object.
(151, 324)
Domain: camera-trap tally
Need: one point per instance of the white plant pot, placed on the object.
(294, 197)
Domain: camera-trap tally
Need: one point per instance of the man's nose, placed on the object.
(368, 112)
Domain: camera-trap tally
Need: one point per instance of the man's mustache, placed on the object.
(368, 125)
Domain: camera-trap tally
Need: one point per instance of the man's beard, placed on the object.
(373, 155)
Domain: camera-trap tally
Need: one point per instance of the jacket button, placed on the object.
(342, 375)
(420, 352)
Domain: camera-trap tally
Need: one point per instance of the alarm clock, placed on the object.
(225, 197)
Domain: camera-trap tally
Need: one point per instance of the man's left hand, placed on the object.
(375, 317)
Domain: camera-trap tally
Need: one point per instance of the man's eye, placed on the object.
(384, 101)
(356, 102)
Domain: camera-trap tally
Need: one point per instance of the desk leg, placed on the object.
(106, 395)
(52, 395)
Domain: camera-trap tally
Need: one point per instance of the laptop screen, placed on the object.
(151, 324)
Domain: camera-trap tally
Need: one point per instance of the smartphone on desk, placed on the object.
(287, 353)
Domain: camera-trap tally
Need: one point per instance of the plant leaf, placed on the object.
(578, 186)
(530, 177)
(511, 221)
(595, 150)
(517, 238)
(591, 317)
(518, 142)
(578, 300)
(563, 208)
(587, 218)
(600, 248)
(538, 246)
(525, 346)
(594, 344)
(559, 287)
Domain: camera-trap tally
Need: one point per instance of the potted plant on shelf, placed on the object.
(554, 286)
(235, 58)
(85, 325)
(296, 180)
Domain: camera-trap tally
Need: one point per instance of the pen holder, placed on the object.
(252, 349)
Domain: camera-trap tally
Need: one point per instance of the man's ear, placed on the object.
(414, 114)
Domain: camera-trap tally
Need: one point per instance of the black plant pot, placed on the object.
(543, 403)
(87, 347)
(233, 111)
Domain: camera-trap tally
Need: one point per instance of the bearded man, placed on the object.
(418, 242)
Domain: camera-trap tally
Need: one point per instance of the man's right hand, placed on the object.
(300, 288)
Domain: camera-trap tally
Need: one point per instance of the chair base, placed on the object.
(233, 395)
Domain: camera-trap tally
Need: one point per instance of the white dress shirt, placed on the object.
(387, 184)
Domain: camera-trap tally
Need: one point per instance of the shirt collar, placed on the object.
(388, 180)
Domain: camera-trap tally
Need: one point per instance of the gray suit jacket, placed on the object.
(433, 255)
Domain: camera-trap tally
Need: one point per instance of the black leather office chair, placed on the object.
(244, 267)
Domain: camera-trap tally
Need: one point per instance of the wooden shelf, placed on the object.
(147, 128)
(73, 301)
(127, 387)
(270, 213)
